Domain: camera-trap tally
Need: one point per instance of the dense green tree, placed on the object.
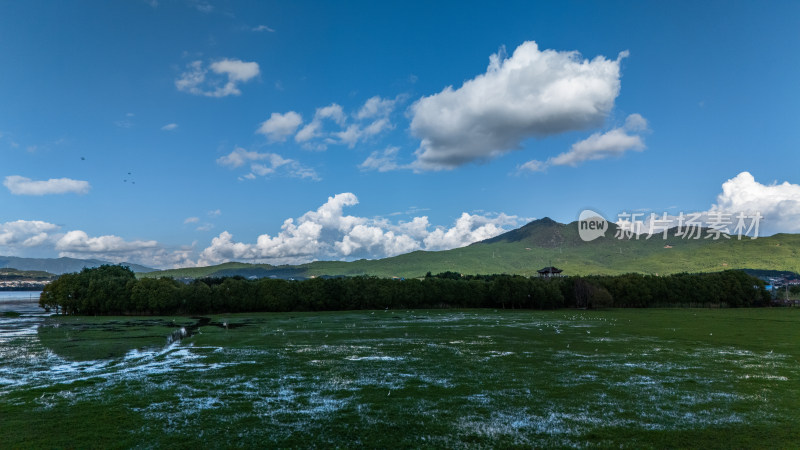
(156, 295)
(115, 290)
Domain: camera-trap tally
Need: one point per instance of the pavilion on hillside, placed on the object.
(550, 272)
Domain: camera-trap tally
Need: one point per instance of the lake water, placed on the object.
(27, 304)
(24, 302)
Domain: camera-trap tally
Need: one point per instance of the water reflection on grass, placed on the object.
(408, 378)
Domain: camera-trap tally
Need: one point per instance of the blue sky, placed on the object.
(174, 133)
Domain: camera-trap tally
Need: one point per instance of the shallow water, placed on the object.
(24, 302)
(455, 377)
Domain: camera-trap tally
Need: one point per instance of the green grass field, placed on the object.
(432, 378)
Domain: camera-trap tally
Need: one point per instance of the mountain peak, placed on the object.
(544, 221)
(544, 232)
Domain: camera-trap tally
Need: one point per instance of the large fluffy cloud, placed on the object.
(612, 143)
(22, 236)
(329, 233)
(778, 204)
(531, 93)
(78, 244)
(744, 207)
(468, 228)
(25, 233)
(25, 186)
(226, 75)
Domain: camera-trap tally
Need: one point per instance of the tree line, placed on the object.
(114, 290)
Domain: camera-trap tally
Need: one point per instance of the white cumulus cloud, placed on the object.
(26, 233)
(78, 244)
(239, 156)
(333, 112)
(19, 185)
(169, 126)
(469, 228)
(18, 237)
(235, 69)
(77, 241)
(376, 107)
(361, 132)
(599, 146)
(635, 122)
(744, 207)
(533, 93)
(280, 126)
(332, 125)
(314, 129)
(224, 79)
(612, 143)
(778, 204)
(329, 233)
(155, 256)
(262, 164)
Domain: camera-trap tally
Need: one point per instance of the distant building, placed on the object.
(549, 272)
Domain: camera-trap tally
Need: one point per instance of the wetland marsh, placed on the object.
(442, 378)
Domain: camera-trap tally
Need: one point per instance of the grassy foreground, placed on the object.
(631, 378)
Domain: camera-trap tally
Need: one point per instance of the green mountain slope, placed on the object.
(14, 274)
(60, 265)
(545, 242)
(225, 269)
